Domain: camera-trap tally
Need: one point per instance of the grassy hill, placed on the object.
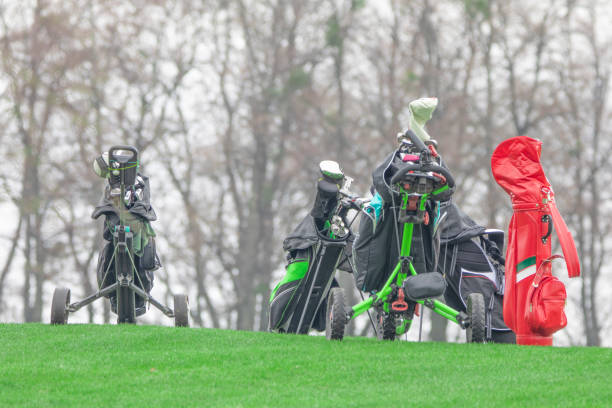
(93, 366)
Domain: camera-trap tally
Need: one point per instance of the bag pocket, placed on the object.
(370, 252)
(147, 261)
(545, 312)
(282, 306)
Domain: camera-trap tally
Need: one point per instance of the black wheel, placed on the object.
(476, 331)
(59, 306)
(181, 311)
(335, 320)
(385, 327)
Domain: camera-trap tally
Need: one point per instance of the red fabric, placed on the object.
(567, 243)
(517, 169)
(545, 303)
(515, 164)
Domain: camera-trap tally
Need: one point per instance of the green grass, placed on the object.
(100, 366)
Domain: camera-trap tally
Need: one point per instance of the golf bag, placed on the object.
(299, 301)
(470, 260)
(376, 246)
(375, 250)
(139, 216)
(535, 299)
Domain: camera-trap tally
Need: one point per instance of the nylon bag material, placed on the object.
(371, 252)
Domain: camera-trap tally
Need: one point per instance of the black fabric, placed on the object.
(503, 336)
(149, 258)
(301, 243)
(141, 208)
(346, 261)
(376, 250)
(303, 236)
(325, 201)
(103, 265)
(284, 307)
(382, 174)
(370, 251)
(319, 321)
(145, 264)
(283, 304)
(424, 286)
(468, 265)
(456, 226)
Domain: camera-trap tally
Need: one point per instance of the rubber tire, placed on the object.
(335, 318)
(385, 328)
(476, 332)
(59, 304)
(181, 311)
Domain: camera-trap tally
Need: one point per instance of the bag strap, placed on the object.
(567, 243)
(540, 272)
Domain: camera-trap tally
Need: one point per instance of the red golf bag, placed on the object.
(534, 299)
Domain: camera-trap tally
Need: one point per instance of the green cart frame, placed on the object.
(416, 183)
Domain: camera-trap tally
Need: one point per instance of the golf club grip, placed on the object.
(424, 167)
(415, 140)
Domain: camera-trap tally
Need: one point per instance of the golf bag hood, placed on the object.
(303, 236)
(517, 169)
(141, 208)
(456, 225)
(382, 174)
(534, 300)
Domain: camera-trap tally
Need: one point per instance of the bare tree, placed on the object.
(37, 58)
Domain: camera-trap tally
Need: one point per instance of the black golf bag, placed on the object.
(138, 217)
(298, 303)
(376, 248)
(471, 261)
(464, 252)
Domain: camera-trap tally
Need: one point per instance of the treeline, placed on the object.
(232, 104)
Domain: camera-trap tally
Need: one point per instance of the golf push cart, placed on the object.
(418, 185)
(298, 305)
(127, 288)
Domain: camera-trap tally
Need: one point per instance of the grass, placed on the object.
(100, 366)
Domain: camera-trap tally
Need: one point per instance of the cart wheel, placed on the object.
(181, 311)
(476, 331)
(385, 327)
(335, 320)
(59, 306)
